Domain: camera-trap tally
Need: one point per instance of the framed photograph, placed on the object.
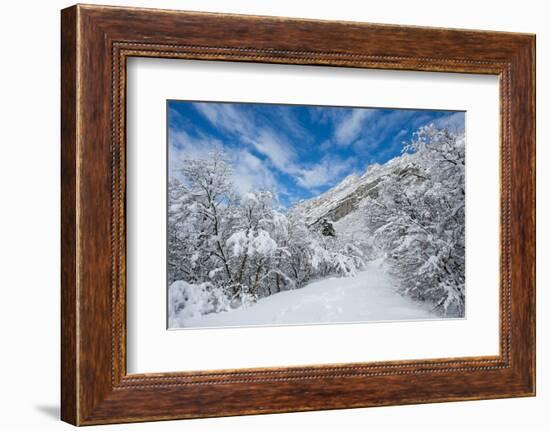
(307, 223)
(322, 214)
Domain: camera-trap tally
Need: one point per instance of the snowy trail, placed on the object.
(369, 296)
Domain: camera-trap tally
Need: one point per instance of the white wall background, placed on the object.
(29, 215)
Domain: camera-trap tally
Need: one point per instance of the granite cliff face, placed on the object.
(344, 199)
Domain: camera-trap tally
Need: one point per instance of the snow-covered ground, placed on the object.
(369, 296)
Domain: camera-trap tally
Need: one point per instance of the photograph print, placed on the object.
(294, 214)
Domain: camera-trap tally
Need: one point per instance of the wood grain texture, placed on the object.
(69, 397)
(96, 41)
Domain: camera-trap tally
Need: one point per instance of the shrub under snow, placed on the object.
(187, 301)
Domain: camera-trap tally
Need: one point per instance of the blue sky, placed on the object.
(296, 151)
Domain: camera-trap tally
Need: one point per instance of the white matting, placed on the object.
(152, 348)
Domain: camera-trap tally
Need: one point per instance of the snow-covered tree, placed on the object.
(244, 246)
(200, 219)
(418, 219)
(312, 254)
(253, 244)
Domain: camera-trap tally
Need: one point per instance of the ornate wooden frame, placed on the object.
(95, 42)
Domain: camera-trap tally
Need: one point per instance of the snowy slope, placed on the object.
(369, 296)
(345, 197)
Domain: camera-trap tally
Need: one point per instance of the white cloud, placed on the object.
(401, 133)
(251, 173)
(263, 139)
(326, 172)
(227, 117)
(262, 145)
(281, 154)
(292, 125)
(350, 127)
(454, 122)
(183, 146)
(276, 149)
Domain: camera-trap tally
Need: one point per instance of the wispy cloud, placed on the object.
(287, 119)
(276, 148)
(351, 126)
(251, 173)
(270, 142)
(295, 151)
(227, 117)
(328, 171)
(454, 122)
(183, 145)
(385, 132)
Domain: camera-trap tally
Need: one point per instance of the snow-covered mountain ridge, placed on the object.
(344, 198)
